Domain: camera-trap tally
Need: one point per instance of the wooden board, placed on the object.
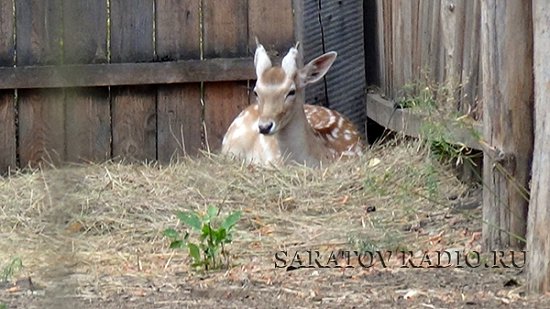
(87, 110)
(118, 74)
(471, 78)
(178, 106)
(41, 112)
(507, 62)
(435, 42)
(7, 97)
(401, 120)
(134, 120)
(225, 35)
(538, 269)
(262, 16)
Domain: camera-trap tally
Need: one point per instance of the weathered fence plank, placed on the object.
(470, 78)
(538, 268)
(8, 147)
(435, 42)
(179, 105)
(507, 62)
(87, 110)
(41, 112)
(225, 35)
(117, 74)
(262, 16)
(453, 14)
(133, 108)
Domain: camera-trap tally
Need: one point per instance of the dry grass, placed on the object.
(103, 223)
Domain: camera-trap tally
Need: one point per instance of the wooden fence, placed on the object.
(434, 41)
(140, 80)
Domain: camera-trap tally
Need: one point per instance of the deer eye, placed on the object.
(291, 93)
(255, 93)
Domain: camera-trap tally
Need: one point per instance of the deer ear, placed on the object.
(316, 69)
(261, 60)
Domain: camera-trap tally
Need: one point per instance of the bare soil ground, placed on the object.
(92, 236)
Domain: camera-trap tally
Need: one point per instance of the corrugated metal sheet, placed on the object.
(338, 25)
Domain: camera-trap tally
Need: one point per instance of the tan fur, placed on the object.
(274, 76)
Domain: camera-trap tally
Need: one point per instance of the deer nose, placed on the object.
(265, 128)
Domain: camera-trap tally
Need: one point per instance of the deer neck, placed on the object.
(298, 142)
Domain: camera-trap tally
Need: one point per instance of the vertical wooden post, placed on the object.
(7, 97)
(538, 234)
(506, 53)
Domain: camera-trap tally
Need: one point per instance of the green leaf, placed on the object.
(206, 230)
(212, 212)
(191, 219)
(220, 235)
(171, 233)
(177, 244)
(231, 220)
(194, 252)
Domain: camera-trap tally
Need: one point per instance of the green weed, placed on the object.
(207, 253)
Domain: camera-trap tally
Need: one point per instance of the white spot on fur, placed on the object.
(335, 132)
(347, 136)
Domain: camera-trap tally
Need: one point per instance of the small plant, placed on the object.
(3, 306)
(10, 270)
(206, 253)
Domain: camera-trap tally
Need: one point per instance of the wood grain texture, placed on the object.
(432, 41)
(453, 13)
(8, 145)
(178, 106)
(225, 28)
(538, 269)
(471, 76)
(117, 74)
(225, 35)
(263, 16)
(508, 104)
(87, 110)
(133, 108)
(401, 120)
(41, 112)
(224, 102)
